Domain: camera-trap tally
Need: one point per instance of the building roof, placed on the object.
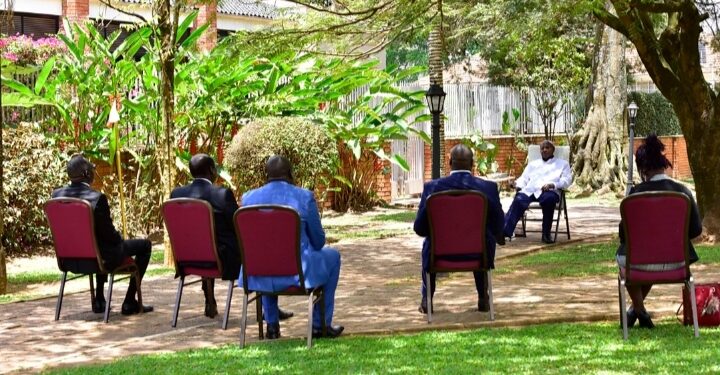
(249, 8)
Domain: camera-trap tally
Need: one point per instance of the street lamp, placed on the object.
(632, 114)
(435, 97)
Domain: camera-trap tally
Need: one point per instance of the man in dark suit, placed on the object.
(113, 248)
(461, 178)
(222, 200)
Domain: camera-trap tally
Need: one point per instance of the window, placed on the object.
(37, 25)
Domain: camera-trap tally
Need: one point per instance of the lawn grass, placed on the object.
(350, 232)
(35, 277)
(404, 217)
(583, 261)
(547, 349)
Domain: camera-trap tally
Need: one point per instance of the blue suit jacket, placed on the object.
(462, 181)
(312, 236)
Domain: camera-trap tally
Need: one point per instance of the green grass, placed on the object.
(547, 349)
(583, 261)
(404, 217)
(340, 233)
(35, 277)
(157, 256)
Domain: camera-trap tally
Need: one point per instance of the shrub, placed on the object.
(33, 168)
(656, 115)
(22, 50)
(311, 152)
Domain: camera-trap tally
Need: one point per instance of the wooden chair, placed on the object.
(457, 221)
(73, 230)
(269, 238)
(191, 228)
(655, 225)
(562, 152)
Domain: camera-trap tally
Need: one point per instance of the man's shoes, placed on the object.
(547, 239)
(98, 306)
(273, 331)
(284, 315)
(644, 320)
(483, 305)
(211, 309)
(423, 306)
(631, 318)
(130, 308)
(331, 332)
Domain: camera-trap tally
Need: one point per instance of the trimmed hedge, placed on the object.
(656, 115)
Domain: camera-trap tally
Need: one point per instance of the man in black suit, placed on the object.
(222, 200)
(461, 178)
(113, 248)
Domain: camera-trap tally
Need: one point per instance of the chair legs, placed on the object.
(109, 298)
(623, 315)
(92, 290)
(178, 297)
(58, 306)
(227, 304)
(490, 294)
(693, 302)
(310, 319)
(259, 315)
(428, 297)
(243, 320)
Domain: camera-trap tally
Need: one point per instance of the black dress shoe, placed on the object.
(483, 305)
(631, 318)
(547, 239)
(423, 306)
(135, 308)
(211, 309)
(644, 320)
(331, 332)
(284, 315)
(99, 306)
(273, 331)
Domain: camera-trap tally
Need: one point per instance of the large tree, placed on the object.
(666, 34)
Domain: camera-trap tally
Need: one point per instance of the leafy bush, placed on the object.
(33, 168)
(22, 50)
(655, 115)
(311, 152)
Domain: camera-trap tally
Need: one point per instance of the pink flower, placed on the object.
(10, 56)
(15, 116)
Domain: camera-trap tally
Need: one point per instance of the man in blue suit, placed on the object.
(321, 265)
(461, 178)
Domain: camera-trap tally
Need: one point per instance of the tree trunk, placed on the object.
(3, 265)
(165, 149)
(435, 66)
(601, 160)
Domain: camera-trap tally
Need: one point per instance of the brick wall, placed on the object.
(676, 152)
(76, 10)
(383, 181)
(207, 14)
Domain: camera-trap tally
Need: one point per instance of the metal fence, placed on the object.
(38, 113)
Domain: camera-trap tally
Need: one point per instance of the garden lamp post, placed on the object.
(435, 97)
(632, 114)
(113, 120)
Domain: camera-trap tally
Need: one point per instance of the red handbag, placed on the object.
(708, 305)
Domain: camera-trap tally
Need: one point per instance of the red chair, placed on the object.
(457, 221)
(191, 229)
(655, 225)
(73, 230)
(269, 238)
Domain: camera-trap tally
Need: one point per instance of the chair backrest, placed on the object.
(656, 228)
(457, 221)
(269, 239)
(72, 225)
(561, 152)
(191, 229)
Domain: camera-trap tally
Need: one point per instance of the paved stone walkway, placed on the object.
(382, 298)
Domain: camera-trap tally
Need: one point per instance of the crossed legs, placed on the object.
(548, 200)
(139, 249)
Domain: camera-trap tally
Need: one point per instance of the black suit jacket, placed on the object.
(224, 206)
(669, 185)
(108, 238)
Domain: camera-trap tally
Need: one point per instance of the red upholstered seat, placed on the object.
(457, 221)
(655, 226)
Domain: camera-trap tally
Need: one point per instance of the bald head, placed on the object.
(461, 158)
(278, 168)
(80, 169)
(203, 166)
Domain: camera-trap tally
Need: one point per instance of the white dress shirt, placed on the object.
(539, 173)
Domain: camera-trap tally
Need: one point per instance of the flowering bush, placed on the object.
(23, 50)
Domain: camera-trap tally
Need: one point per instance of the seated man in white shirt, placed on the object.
(539, 182)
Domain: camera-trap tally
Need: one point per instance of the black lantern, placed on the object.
(436, 101)
(632, 114)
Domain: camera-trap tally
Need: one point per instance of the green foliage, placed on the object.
(311, 152)
(484, 153)
(560, 348)
(32, 169)
(405, 217)
(655, 115)
(512, 126)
